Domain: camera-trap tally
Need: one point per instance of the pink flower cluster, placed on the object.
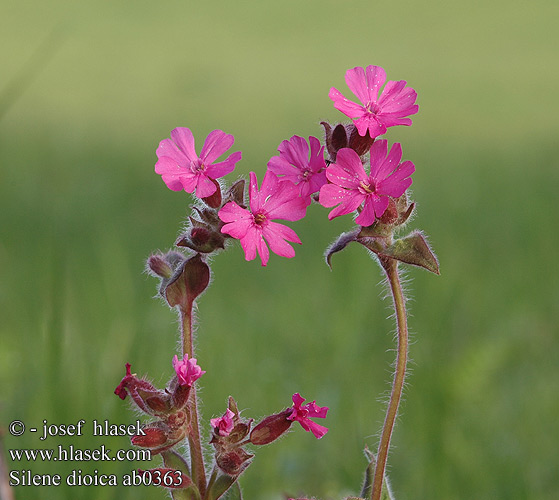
(187, 370)
(300, 173)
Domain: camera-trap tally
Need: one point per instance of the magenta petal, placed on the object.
(370, 123)
(347, 107)
(167, 148)
(390, 163)
(378, 153)
(253, 193)
(376, 76)
(217, 170)
(204, 187)
(367, 215)
(280, 166)
(348, 170)
(284, 202)
(318, 430)
(184, 139)
(277, 244)
(357, 83)
(330, 195)
(249, 242)
(263, 251)
(348, 205)
(316, 411)
(284, 232)
(396, 98)
(295, 151)
(217, 143)
(232, 212)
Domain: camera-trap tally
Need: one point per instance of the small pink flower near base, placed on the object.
(295, 165)
(351, 186)
(224, 425)
(181, 168)
(187, 370)
(376, 113)
(303, 415)
(255, 227)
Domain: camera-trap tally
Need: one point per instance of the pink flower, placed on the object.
(303, 415)
(293, 164)
(223, 425)
(187, 370)
(275, 200)
(376, 113)
(351, 186)
(181, 168)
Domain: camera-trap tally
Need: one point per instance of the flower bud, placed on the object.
(159, 266)
(236, 193)
(233, 462)
(345, 136)
(271, 428)
(153, 437)
(149, 399)
(201, 239)
(390, 215)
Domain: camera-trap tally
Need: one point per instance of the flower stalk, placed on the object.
(194, 439)
(391, 268)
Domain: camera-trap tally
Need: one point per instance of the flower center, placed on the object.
(259, 218)
(366, 188)
(197, 166)
(305, 174)
(372, 108)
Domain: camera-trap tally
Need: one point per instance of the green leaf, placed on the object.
(367, 490)
(414, 250)
(175, 461)
(190, 493)
(221, 485)
(234, 493)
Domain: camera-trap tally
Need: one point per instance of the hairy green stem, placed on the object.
(391, 268)
(194, 440)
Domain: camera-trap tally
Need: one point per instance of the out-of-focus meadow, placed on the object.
(88, 89)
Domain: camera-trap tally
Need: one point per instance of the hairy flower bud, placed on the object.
(271, 428)
(233, 462)
(201, 239)
(149, 399)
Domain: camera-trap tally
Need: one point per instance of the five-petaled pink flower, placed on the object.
(351, 186)
(181, 168)
(275, 200)
(187, 370)
(294, 164)
(375, 114)
(223, 425)
(303, 415)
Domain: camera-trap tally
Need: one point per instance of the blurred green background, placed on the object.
(88, 89)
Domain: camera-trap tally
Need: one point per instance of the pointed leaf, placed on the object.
(343, 241)
(414, 250)
(367, 489)
(175, 461)
(220, 486)
(190, 493)
(234, 493)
